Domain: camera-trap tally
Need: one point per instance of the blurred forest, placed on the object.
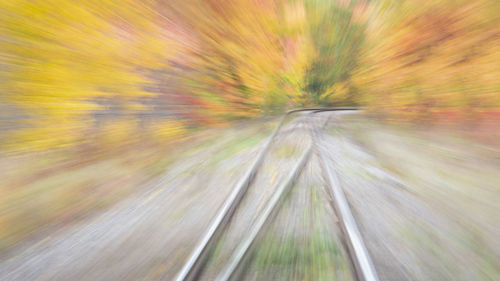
(108, 71)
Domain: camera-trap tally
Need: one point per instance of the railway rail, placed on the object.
(359, 256)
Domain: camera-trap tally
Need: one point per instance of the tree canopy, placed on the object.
(74, 70)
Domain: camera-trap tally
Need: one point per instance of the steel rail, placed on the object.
(198, 256)
(230, 270)
(364, 269)
(269, 211)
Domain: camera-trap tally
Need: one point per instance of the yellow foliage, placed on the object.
(72, 68)
(430, 56)
(165, 130)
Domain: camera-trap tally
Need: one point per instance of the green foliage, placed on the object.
(337, 40)
(74, 69)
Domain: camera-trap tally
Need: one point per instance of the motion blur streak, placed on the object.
(125, 124)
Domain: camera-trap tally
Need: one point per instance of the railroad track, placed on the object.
(359, 257)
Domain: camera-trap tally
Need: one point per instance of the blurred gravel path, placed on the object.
(144, 237)
(418, 226)
(409, 233)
